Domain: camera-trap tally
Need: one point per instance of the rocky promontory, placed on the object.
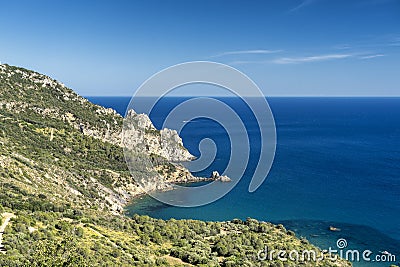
(141, 135)
(222, 178)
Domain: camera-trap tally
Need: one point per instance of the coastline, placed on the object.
(190, 182)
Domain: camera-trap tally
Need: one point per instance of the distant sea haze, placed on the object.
(337, 164)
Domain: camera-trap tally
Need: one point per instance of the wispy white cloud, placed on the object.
(304, 3)
(395, 41)
(297, 60)
(247, 52)
(309, 59)
(362, 3)
(371, 56)
(372, 42)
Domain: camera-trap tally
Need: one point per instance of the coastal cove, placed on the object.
(337, 163)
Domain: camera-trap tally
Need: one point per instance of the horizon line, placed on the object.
(272, 96)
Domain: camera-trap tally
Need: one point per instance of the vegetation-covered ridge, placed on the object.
(64, 178)
(70, 149)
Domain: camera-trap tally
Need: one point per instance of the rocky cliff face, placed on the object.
(104, 123)
(68, 148)
(141, 135)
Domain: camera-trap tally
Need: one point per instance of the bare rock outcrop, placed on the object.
(222, 178)
(141, 135)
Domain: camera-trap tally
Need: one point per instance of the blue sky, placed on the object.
(296, 47)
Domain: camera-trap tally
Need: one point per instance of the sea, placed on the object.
(337, 163)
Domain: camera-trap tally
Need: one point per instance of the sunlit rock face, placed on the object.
(141, 135)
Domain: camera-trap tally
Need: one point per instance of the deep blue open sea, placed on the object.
(337, 163)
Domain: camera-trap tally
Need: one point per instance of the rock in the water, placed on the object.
(222, 178)
(215, 175)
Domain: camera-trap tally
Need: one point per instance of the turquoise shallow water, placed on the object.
(337, 163)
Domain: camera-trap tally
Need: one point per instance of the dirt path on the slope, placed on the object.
(6, 217)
